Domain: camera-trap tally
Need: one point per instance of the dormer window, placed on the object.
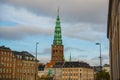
(20, 57)
(27, 58)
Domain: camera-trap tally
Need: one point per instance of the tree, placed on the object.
(102, 75)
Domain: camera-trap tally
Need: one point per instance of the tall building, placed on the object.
(16, 65)
(25, 66)
(57, 47)
(6, 64)
(113, 34)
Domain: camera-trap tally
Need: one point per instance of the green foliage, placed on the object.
(103, 75)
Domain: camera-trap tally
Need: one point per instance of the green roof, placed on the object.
(57, 33)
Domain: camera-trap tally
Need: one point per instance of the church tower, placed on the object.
(57, 47)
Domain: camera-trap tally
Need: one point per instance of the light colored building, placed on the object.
(68, 71)
(74, 71)
(113, 34)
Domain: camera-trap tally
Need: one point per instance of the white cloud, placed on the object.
(44, 59)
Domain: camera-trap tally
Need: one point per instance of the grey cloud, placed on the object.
(104, 57)
(78, 28)
(20, 32)
(72, 48)
(44, 59)
(46, 51)
(96, 60)
(85, 31)
(92, 11)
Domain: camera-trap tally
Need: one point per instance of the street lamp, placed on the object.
(36, 48)
(100, 56)
(36, 60)
(100, 61)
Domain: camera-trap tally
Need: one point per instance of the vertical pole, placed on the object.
(100, 59)
(36, 62)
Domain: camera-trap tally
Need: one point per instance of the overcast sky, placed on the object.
(83, 23)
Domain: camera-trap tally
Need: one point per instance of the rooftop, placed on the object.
(4, 48)
(74, 64)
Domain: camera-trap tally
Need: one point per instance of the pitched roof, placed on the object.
(71, 64)
(4, 48)
(50, 64)
(24, 55)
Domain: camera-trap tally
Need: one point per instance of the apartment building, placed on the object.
(6, 63)
(16, 65)
(26, 66)
(74, 71)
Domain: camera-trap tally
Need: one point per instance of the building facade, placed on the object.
(6, 63)
(16, 65)
(26, 66)
(73, 71)
(113, 34)
(57, 47)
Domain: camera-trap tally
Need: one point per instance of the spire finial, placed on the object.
(70, 57)
(58, 13)
(58, 10)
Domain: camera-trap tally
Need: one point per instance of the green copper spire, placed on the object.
(57, 33)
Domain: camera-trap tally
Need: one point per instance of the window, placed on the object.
(27, 58)
(11, 53)
(24, 64)
(4, 53)
(8, 59)
(5, 58)
(20, 57)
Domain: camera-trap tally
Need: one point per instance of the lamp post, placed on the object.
(36, 48)
(100, 60)
(36, 61)
(100, 56)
